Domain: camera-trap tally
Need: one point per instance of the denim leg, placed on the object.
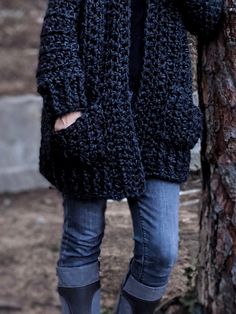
(82, 234)
(156, 235)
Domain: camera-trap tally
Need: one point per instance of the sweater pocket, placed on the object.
(178, 124)
(184, 126)
(83, 140)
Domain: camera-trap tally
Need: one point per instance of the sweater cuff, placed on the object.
(202, 18)
(62, 91)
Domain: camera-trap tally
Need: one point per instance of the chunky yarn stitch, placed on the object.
(113, 147)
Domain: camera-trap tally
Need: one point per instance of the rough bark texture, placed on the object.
(216, 280)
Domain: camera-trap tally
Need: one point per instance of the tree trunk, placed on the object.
(216, 279)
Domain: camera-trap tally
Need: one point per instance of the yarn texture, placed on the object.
(83, 64)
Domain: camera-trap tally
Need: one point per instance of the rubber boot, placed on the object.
(79, 289)
(137, 298)
(129, 304)
(80, 300)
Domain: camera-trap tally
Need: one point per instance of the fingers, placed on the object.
(66, 120)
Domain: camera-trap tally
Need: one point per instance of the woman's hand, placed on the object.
(66, 120)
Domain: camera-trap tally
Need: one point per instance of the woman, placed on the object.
(118, 121)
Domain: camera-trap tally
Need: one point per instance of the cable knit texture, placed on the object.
(111, 149)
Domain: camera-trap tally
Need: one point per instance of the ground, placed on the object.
(30, 230)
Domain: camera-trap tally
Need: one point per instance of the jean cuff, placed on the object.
(78, 276)
(142, 291)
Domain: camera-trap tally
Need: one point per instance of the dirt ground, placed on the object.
(30, 230)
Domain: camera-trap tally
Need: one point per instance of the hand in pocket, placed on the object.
(83, 137)
(66, 120)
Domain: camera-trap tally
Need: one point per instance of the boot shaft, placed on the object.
(80, 300)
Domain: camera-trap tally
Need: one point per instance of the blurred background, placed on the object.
(30, 209)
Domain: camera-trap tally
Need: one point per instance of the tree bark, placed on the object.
(216, 279)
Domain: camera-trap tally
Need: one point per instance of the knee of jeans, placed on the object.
(163, 257)
(82, 244)
(79, 247)
(78, 255)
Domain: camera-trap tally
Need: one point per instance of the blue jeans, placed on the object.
(155, 234)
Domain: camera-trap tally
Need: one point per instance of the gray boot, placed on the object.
(80, 300)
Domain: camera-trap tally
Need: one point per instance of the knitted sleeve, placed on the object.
(201, 17)
(60, 76)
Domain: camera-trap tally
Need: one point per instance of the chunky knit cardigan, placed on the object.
(112, 148)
